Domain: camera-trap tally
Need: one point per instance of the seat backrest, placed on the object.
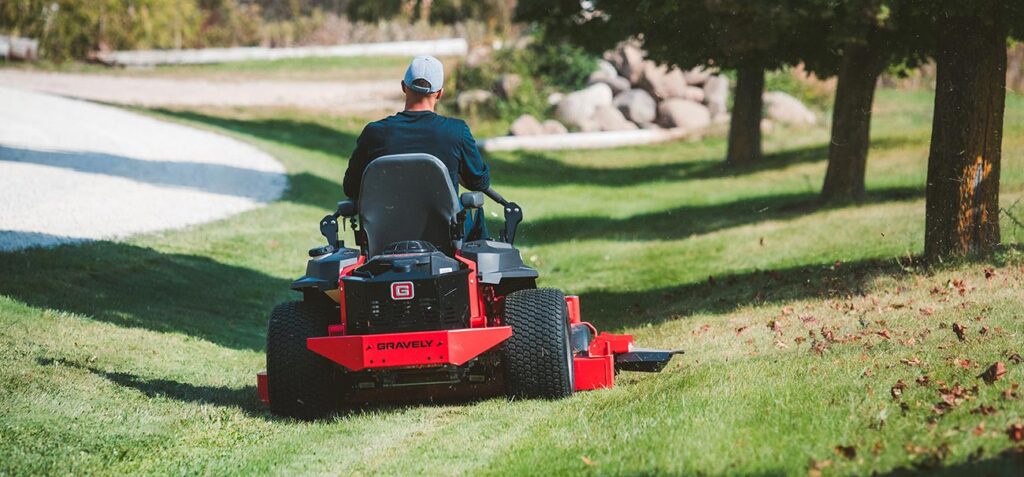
(407, 197)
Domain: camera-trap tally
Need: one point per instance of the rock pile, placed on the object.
(629, 92)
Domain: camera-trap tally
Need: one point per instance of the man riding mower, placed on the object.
(419, 312)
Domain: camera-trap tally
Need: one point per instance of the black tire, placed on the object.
(301, 384)
(538, 356)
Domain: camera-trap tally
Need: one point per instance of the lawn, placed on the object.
(801, 323)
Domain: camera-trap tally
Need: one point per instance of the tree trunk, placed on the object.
(851, 123)
(745, 125)
(962, 209)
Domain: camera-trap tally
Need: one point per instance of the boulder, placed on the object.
(508, 84)
(472, 100)
(608, 69)
(680, 113)
(661, 82)
(637, 106)
(628, 60)
(579, 107)
(783, 108)
(555, 98)
(609, 118)
(616, 82)
(716, 95)
(554, 127)
(697, 76)
(693, 93)
(526, 125)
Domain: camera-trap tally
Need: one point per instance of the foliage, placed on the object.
(496, 13)
(543, 66)
(75, 28)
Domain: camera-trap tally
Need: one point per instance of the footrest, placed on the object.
(644, 360)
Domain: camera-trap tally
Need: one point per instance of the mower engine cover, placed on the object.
(410, 286)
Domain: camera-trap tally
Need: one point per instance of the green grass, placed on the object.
(139, 356)
(338, 69)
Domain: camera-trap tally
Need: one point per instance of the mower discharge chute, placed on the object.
(416, 313)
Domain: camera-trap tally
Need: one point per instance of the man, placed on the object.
(418, 129)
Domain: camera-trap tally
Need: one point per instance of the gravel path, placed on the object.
(334, 96)
(72, 170)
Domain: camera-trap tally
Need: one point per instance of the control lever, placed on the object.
(513, 215)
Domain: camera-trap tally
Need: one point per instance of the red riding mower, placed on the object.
(415, 313)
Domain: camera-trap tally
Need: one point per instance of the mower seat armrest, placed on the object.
(346, 208)
(472, 200)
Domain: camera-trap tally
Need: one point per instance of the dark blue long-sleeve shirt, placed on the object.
(448, 139)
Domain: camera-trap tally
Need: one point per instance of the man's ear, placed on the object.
(403, 87)
(440, 93)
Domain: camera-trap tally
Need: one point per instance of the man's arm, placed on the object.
(473, 173)
(357, 163)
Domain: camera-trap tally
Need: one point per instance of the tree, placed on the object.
(745, 36)
(962, 195)
(856, 40)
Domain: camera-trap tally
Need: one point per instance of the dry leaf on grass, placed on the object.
(849, 452)
(960, 331)
(586, 460)
(994, 373)
(1015, 432)
(979, 429)
(897, 389)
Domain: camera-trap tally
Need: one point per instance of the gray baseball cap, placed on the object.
(426, 68)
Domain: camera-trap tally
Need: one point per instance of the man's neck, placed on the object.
(419, 107)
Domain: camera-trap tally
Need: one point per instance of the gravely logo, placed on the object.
(404, 344)
(402, 291)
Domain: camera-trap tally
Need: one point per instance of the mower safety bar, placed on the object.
(421, 348)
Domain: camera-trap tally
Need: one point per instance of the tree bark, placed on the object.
(851, 123)
(745, 125)
(962, 208)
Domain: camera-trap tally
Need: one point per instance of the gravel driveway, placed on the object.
(72, 170)
(334, 96)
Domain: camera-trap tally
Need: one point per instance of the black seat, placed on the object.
(408, 197)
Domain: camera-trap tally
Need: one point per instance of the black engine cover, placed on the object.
(400, 292)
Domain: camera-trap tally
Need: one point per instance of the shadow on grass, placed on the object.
(139, 287)
(539, 169)
(611, 310)
(243, 398)
(303, 134)
(1009, 463)
(686, 221)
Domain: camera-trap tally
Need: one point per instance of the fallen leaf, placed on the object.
(897, 389)
(780, 344)
(984, 410)
(927, 311)
(979, 429)
(1015, 358)
(586, 460)
(776, 327)
(787, 310)
(994, 373)
(849, 452)
(983, 330)
(1011, 393)
(960, 331)
(911, 361)
(989, 273)
(741, 329)
(963, 363)
(799, 339)
(1016, 432)
(884, 334)
(924, 380)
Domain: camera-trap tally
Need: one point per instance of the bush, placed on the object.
(544, 68)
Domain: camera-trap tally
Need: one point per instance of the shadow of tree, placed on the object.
(615, 310)
(1008, 463)
(213, 178)
(539, 169)
(139, 287)
(686, 221)
(303, 134)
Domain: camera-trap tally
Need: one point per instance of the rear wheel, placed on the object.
(538, 356)
(300, 383)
